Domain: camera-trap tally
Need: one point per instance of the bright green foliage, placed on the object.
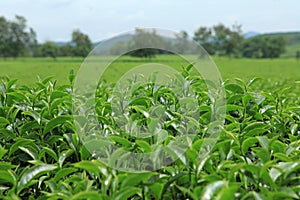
(256, 157)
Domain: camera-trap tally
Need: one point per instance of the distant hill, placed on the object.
(123, 38)
(62, 43)
(106, 45)
(250, 34)
(290, 37)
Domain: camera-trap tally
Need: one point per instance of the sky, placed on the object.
(55, 20)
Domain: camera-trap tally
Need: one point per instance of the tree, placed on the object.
(276, 46)
(227, 41)
(220, 39)
(65, 50)
(204, 37)
(48, 49)
(297, 55)
(233, 42)
(252, 48)
(82, 43)
(15, 38)
(264, 47)
(142, 39)
(31, 43)
(3, 37)
(18, 37)
(182, 42)
(220, 36)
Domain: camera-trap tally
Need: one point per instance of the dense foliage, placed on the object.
(256, 157)
(263, 47)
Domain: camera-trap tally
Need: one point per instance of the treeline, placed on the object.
(17, 39)
(80, 45)
(217, 40)
(226, 41)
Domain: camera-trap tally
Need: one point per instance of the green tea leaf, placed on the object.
(90, 166)
(20, 142)
(255, 132)
(58, 121)
(7, 134)
(254, 125)
(252, 81)
(144, 145)
(212, 189)
(63, 155)
(33, 172)
(142, 101)
(263, 141)
(262, 153)
(7, 177)
(6, 165)
(88, 195)
(228, 192)
(63, 173)
(234, 88)
(33, 114)
(17, 96)
(248, 143)
(141, 109)
(187, 192)
(11, 83)
(120, 140)
(133, 179)
(3, 122)
(57, 95)
(30, 151)
(49, 152)
(126, 192)
(2, 152)
(233, 107)
(157, 189)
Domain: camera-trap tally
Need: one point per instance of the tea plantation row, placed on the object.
(257, 155)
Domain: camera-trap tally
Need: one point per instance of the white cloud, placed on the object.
(56, 19)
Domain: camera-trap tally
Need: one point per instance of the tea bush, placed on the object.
(257, 155)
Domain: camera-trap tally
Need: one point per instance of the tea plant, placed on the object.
(257, 155)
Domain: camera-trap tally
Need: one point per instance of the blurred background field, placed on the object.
(27, 70)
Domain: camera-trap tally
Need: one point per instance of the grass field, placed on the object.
(27, 70)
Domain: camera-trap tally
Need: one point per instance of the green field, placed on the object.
(27, 70)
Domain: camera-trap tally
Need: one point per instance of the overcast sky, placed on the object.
(55, 19)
